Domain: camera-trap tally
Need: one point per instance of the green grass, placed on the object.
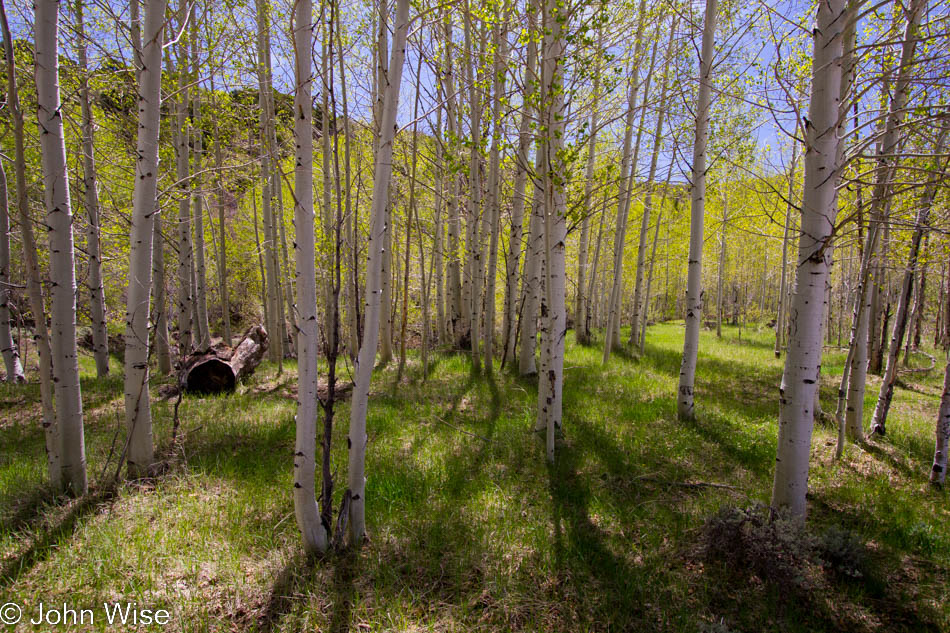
(469, 528)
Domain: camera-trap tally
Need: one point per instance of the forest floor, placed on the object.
(470, 529)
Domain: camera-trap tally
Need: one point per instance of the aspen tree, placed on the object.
(453, 209)
(879, 210)
(938, 472)
(494, 186)
(159, 308)
(274, 310)
(780, 319)
(924, 205)
(694, 290)
(41, 337)
(201, 278)
(11, 355)
(186, 273)
(628, 167)
(357, 438)
(554, 312)
(638, 303)
(819, 210)
(314, 532)
(473, 238)
(62, 273)
(581, 328)
(518, 203)
(138, 417)
(97, 301)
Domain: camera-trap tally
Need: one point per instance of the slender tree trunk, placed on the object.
(222, 263)
(638, 303)
(138, 415)
(656, 239)
(867, 333)
(581, 330)
(364, 368)
(186, 332)
(11, 355)
(494, 189)
(781, 318)
(938, 472)
(410, 212)
(628, 168)
(453, 209)
(273, 306)
(160, 303)
(314, 532)
(97, 301)
(879, 420)
(553, 312)
(722, 264)
(201, 277)
(531, 284)
(34, 288)
(59, 220)
(694, 283)
(474, 237)
(518, 203)
(819, 210)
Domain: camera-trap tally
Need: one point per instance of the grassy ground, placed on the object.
(469, 528)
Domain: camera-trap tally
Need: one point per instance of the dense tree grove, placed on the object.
(374, 181)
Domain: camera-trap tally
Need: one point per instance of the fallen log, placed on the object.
(218, 369)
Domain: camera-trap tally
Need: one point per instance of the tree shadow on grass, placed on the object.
(43, 543)
(609, 583)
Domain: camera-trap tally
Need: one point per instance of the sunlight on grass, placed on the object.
(469, 528)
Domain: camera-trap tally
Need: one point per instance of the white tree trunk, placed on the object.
(780, 319)
(474, 236)
(11, 355)
(518, 203)
(694, 275)
(97, 300)
(938, 472)
(185, 275)
(314, 532)
(364, 368)
(59, 220)
(819, 210)
(203, 331)
(581, 329)
(531, 283)
(494, 190)
(33, 285)
(925, 203)
(554, 318)
(273, 311)
(638, 303)
(138, 417)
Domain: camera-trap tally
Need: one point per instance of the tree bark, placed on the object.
(59, 220)
(694, 282)
(138, 415)
(878, 424)
(314, 532)
(97, 302)
(201, 276)
(41, 338)
(518, 203)
(938, 472)
(553, 312)
(819, 210)
(11, 355)
(364, 368)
